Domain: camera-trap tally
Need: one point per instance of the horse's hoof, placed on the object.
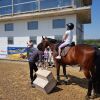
(95, 96)
(58, 83)
(92, 96)
(87, 97)
(65, 82)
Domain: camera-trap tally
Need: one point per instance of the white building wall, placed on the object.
(21, 41)
(21, 33)
(3, 47)
(3, 41)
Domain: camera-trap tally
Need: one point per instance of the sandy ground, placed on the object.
(15, 84)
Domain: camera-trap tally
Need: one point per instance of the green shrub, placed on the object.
(93, 42)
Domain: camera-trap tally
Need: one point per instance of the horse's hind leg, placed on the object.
(90, 83)
(93, 73)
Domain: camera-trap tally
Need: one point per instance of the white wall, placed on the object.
(3, 41)
(3, 47)
(21, 34)
(21, 41)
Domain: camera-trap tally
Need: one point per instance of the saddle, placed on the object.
(66, 49)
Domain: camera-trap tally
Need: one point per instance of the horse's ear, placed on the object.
(42, 38)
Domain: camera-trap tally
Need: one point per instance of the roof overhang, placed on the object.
(87, 2)
(83, 13)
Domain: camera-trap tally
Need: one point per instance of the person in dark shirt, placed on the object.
(33, 55)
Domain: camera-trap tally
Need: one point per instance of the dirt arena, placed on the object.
(15, 84)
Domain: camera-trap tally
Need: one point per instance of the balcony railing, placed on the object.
(11, 7)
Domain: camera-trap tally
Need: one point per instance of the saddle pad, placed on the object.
(65, 51)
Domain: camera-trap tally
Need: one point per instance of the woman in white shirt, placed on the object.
(67, 38)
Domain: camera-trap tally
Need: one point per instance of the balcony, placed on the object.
(38, 8)
(25, 6)
(11, 7)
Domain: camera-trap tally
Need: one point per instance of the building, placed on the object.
(21, 20)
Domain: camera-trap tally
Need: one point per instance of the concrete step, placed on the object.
(45, 74)
(44, 85)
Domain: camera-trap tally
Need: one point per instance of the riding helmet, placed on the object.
(70, 26)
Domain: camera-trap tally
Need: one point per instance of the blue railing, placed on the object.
(8, 7)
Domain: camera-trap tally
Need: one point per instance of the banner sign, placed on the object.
(16, 50)
(3, 51)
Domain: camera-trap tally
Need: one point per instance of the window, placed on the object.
(6, 10)
(22, 1)
(44, 4)
(33, 38)
(9, 27)
(58, 37)
(66, 2)
(10, 40)
(5, 2)
(33, 25)
(25, 7)
(59, 23)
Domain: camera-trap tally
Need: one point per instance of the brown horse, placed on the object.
(81, 54)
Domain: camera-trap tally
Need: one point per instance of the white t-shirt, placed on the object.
(70, 36)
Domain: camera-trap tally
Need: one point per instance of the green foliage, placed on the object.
(93, 42)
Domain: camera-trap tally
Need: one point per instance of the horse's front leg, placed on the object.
(65, 75)
(57, 71)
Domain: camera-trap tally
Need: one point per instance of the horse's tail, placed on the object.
(97, 59)
(97, 71)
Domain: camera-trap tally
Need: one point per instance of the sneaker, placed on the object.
(33, 86)
(58, 57)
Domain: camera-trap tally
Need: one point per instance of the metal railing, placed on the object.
(34, 5)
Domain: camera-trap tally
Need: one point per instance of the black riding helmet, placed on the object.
(70, 26)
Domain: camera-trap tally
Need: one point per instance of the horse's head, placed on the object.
(45, 42)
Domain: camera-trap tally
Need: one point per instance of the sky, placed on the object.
(92, 30)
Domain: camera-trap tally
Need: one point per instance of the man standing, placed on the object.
(33, 55)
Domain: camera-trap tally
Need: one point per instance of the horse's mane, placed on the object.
(53, 40)
(39, 46)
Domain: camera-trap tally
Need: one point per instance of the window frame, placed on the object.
(34, 39)
(56, 22)
(3, 3)
(8, 27)
(10, 40)
(29, 25)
